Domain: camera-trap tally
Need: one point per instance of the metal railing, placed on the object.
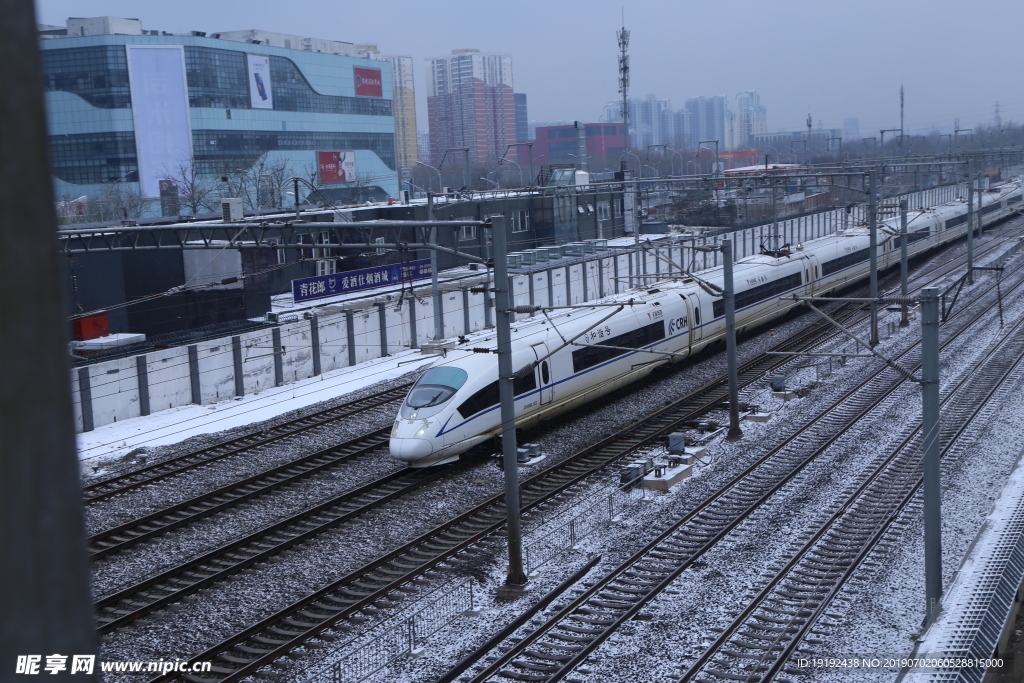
(360, 658)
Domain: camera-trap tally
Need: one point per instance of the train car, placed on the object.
(571, 357)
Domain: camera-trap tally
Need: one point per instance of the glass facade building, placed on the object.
(138, 114)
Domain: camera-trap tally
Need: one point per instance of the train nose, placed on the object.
(410, 450)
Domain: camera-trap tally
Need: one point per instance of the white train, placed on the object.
(582, 354)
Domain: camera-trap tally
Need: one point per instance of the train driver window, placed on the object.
(433, 389)
(544, 376)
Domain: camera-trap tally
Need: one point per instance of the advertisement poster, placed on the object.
(260, 93)
(368, 82)
(337, 167)
(322, 286)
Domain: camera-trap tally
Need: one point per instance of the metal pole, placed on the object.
(730, 343)
(930, 430)
(775, 219)
(516, 575)
(970, 221)
(44, 578)
(873, 249)
(435, 293)
(296, 181)
(465, 170)
(904, 266)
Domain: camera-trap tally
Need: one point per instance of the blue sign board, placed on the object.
(322, 286)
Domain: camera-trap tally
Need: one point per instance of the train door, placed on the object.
(808, 276)
(544, 374)
(693, 312)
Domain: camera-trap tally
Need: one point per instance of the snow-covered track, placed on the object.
(189, 511)
(144, 476)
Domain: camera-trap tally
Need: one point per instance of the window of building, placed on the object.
(520, 221)
(467, 233)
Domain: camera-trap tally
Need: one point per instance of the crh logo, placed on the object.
(679, 324)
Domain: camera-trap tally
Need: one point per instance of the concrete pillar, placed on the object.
(533, 301)
(413, 342)
(236, 355)
(382, 315)
(142, 376)
(600, 278)
(193, 374)
(275, 334)
(314, 341)
(85, 399)
(568, 286)
(350, 325)
(465, 312)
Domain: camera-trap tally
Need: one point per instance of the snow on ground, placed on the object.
(177, 424)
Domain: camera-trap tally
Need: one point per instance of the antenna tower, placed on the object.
(623, 36)
(902, 131)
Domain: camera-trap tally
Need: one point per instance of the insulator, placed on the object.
(526, 308)
(479, 350)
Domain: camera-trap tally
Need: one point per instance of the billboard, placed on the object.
(260, 93)
(163, 126)
(322, 286)
(336, 167)
(368, 82)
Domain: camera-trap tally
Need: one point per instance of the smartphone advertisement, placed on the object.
(260, 93)
(337, 167)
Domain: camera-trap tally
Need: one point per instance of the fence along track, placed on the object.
(372, 585)
(187, 512)
(137, 478)
(766, 633)
(556, 647)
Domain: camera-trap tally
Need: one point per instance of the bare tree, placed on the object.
(261, 185)
(119, 201)
(194, 191)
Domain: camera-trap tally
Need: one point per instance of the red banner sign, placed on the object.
(368, 83)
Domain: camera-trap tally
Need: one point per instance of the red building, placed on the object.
(558, 145)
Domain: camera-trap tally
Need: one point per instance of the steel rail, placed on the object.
(143, 476)
(187, 512)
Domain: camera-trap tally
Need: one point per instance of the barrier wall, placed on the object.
(341, 335)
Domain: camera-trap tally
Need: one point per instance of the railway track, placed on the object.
(373, 585)
(553, 648)
(95, 492)
(759, 642)
(187, 512)
(171, 586)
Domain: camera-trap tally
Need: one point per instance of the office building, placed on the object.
(146, 121)
(470, 104)
(559, 144)
(522, 122)
(403, 103)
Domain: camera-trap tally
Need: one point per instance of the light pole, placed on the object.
(652, 169)
(956, 135)
(521, 182)
(465, 170)
(529, 146)
(491, 181)
(649, 153)
(440, 182)
(874, 145)
(672, 161)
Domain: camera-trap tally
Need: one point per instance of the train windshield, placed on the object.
(435, 387)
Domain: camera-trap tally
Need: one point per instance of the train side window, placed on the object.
(696, 315)
(544, 376)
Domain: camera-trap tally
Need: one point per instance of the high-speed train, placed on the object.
(567, 359)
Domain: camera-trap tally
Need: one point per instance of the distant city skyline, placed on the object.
(834, 61)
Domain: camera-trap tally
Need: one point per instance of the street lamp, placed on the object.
(440, 183)
(529, 146)
(672, 168)
(793, 151)
(491, 181)
(521, 183)
(654, 170)
(465, 171)
(649, 153)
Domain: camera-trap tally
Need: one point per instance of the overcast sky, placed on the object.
(830, 59)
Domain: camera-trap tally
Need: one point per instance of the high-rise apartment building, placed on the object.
(651, 122)
(751, 117)
(851, 131)
(403, 103)
(704, 121)
(470, 104)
